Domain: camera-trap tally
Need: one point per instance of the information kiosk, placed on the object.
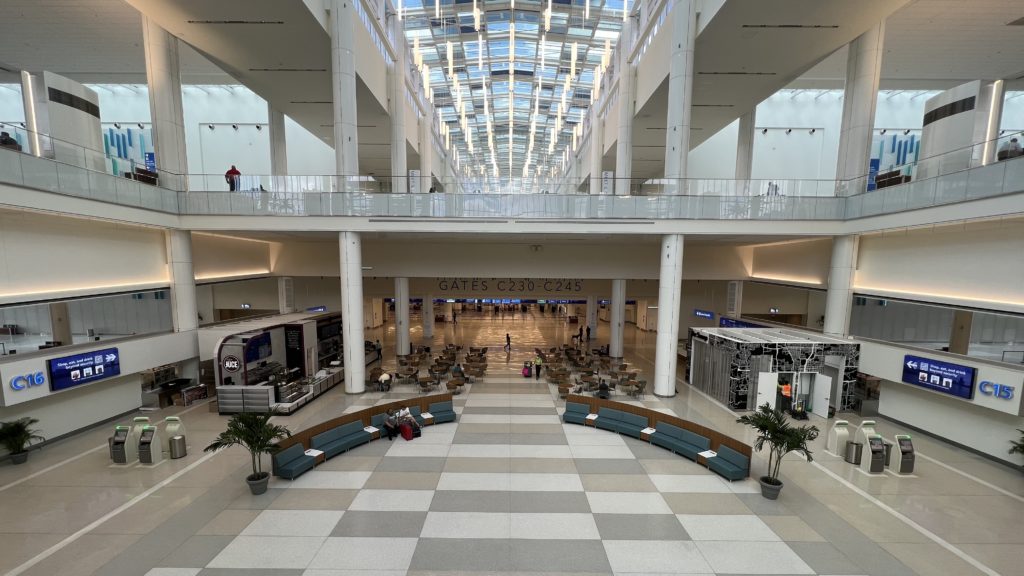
(873, 462)
(151, 449)
(122, 451)
(864, 432)
(905, 465)
(837, 437)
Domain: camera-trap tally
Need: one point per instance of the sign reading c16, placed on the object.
(998, 390)
(22, 382)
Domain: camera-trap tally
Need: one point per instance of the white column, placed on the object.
(285, 295)
(396, 110)
(670, 289)
(618, 318)
(449, 309)
(839, 299)
(627, 104)
(184, 314)
(596, 150)
(278, 144)
(168, 120)
(680, 89)
(401, 316)
(863, 69)
(996, 93)
(426, 150)
(343, 82)
(745, 145)
(428, 317)
(350, 248)
(592, 308)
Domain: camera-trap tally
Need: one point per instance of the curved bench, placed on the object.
(675, 434)
(345, 432)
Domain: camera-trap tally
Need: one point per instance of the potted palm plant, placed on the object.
(254, 432)
(17, 435)
(1017, 447)
(775, 431)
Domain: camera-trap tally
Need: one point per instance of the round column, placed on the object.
(618, 318)
(401, 316)
(839, 298)
(670, 288)
(350, 248)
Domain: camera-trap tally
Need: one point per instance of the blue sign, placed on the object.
(21, 382)
(940, 376)
(998, 390)
(151, 161)
(317, 309)
(724, 322)
(71, 371)
(704, 314)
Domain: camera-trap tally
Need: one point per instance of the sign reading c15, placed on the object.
(994, 389)
(22, 382)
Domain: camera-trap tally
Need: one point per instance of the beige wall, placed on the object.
(220, 257)
(804, 262)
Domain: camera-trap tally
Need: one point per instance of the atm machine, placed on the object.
(838, 435)
(873, 460)
(906, 461)
(122, 451)
(151, 449)
(172, 427)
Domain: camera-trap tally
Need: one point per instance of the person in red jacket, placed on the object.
(231, 177)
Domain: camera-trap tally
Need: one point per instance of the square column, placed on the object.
(592, 308)
(596, 150)
(401, 316)
(627, 105)
(745, 146)
(426, 138)
(680, 91)
(278, 146)
(670, 289)
(428, 317)
(863, 70)
(285, 295)
(184, 314)
(163, 76)
(343, 82)
(350, 249)
(839, 298)
(396, 109)
(617, 318)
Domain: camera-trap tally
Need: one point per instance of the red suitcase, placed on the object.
(406, 431)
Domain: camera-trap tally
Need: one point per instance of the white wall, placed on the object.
(220, 257)
(259, 294)
(804, 262)
(760, 298)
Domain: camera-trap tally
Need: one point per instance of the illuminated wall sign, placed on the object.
(71, 371)
(317, 309)
(724, 322)
(952, 379)
(704, 314)
(998, 390)
(509, 285)
(231, 363)
(22, 382)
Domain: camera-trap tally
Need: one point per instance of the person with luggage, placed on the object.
(537, 363)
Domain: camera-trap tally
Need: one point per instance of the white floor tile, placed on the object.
(540, 451)
(745, 486)
(535, 419)
(440, 434)
(479, 451)
(592, 438)
(484, 419)
(354, 573)
(753, 558)
(293, 523)
(174, 572)
(627, 503)
(466, 525)
(700, 484)
(747, 528)
(474, 481)
(554, 527)
(366, 553)
(415, 448)
(393, 500)
(528, 482)
(251, 552)
(327, 479)
(613, 452)
(656, 556)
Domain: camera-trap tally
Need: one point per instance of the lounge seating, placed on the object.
(442, 411)
(377, 420)
(729, 463)
(344, 437)
(621, 422)
(575, 413)
(682, 442)
(414, 411)
(292, 462)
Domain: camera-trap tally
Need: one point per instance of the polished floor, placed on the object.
(506, 489)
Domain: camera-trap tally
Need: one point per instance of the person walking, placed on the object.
(579, 336)
(380, 351)
(231, 177)
(537, 363)
(508, 342)
(588, 333)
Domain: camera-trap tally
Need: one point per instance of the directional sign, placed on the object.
(71, 371)
(939, 376)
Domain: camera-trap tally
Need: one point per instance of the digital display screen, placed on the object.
(906, 445)
(704, 314)
(733, 323)
(945, 377)
(257, 348)
(70, 371)
(328, 330)
(120, 435)
(147, 436)
(876, 444)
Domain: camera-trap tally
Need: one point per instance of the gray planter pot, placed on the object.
(770, 491)
(259, 486)
(19, 457)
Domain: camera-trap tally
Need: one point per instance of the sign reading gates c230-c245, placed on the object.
(510, 285)
(940, 376)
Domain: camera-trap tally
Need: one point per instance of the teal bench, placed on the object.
(292, 462)
(442, 411)
(414, 411)
(339, 439)
(621, 422)
(680, 441)
(575, 413)
(377, 421)
(729, 464)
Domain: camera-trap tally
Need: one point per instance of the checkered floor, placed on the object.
(509, 488)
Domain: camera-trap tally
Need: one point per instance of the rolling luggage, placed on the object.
(527, 369)
(406, 431)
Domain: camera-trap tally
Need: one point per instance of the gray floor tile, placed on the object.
(764, 507)
(508, 410)
(686, 503)
(314, 499)
(372, 448)
(249, 572)
(471, 501)
(617, 483)
(540, 502)
(472, 438)
(448, 554)
(196, 552)
(534, 439)
(648, 451)
(251, 502)
(608, 466)
(559, 556)
(825, 558)
(411, 464)
(383, 524)
(403, 480)
(499, 465)
(639, 527)
(543, 465)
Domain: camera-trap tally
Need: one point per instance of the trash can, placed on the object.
(888, 453)
(854, 450)
(178, 448)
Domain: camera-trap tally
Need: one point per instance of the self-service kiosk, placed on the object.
(172, 427)
(873, 460)
(122, 451)
(837, 437)
(864, 432)
(905, 464)
(151, 449)
(135, 433)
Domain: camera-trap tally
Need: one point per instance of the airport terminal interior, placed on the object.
(455, 287)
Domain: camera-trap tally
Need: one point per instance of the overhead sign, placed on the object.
(939, 376)
(704, 314)
(71, 371)
(998, 390)
(23, 381)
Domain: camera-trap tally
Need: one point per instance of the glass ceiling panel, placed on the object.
(482, 54)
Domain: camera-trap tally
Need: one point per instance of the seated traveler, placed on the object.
(391, 425)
